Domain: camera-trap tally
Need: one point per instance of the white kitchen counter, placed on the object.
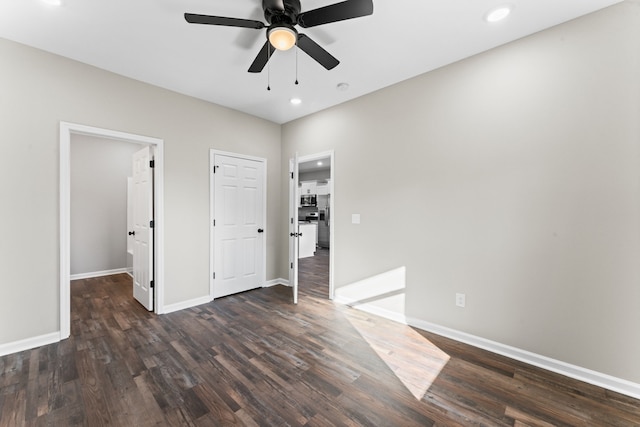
(307, 241)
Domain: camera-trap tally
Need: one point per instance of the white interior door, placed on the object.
(294, 233)
(239, 235)
(143, 228)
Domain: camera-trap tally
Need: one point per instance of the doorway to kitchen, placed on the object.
(315, 208)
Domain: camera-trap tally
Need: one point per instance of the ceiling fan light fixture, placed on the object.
(282, 38)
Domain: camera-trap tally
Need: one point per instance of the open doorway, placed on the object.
(100, 186)
(315, 223)
(67, 130)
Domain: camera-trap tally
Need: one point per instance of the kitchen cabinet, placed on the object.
(322, 189)
(308, 187)
(307, 240)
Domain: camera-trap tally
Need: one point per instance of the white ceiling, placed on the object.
(149, 40)
(313, 166)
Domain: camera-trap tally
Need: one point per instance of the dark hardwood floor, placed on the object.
(255, 359)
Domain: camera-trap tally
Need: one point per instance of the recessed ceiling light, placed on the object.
(53, 2)
(295, 101)
(498, 14)
(342, 87)
(319, 163)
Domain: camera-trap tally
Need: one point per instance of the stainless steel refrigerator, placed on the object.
(324, 218)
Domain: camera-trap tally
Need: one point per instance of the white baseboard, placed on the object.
(572, 371)
(170, 308)
(100, 273)
(204, 300)
(579, 373)
(29, 343)
(369, 308)
(275, 282)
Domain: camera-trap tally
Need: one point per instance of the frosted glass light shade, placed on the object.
(282, 38)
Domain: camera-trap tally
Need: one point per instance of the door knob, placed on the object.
(132, 233)
(260, 230)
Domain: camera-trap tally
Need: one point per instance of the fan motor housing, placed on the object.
(274, 15)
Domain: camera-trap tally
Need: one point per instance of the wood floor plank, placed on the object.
(256, 359)
(153, 414)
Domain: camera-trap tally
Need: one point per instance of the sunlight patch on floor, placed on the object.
(414, 360)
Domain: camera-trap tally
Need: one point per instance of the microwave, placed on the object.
(308, 200)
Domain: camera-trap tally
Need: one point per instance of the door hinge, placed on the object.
(214, 276)
(291, 175)
(291, 265)
(215, 167)
(151, 224)
(214, 222)
(152, 163)
(151, 285)
(291, 220)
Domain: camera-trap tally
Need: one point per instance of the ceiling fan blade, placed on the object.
(315, 51)
(193, 18)
(348, 9)
(263, 57)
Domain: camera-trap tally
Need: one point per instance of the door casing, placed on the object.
(294, 226)
(66, 130)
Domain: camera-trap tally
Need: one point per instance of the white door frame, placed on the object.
(294, 226)
(318, 156)
(66, 130)
(212, 211)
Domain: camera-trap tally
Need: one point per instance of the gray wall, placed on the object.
(99, 171)
(512, 176)
(38, 91)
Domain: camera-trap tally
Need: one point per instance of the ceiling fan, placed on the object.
(282, 17)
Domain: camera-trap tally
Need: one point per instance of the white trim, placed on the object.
(274, 282)
(317, 156)
(92, 274)
(212, 236)
(212, 154)
(66, 130)
(65, 230)
(572, 371)
(29, 343)
(170, 308)
(238, 156)
(579, 373)
(372, 309)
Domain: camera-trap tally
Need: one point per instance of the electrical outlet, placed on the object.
(461, 300)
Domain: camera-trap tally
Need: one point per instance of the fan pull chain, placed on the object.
(296, 60)
(268, 66)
